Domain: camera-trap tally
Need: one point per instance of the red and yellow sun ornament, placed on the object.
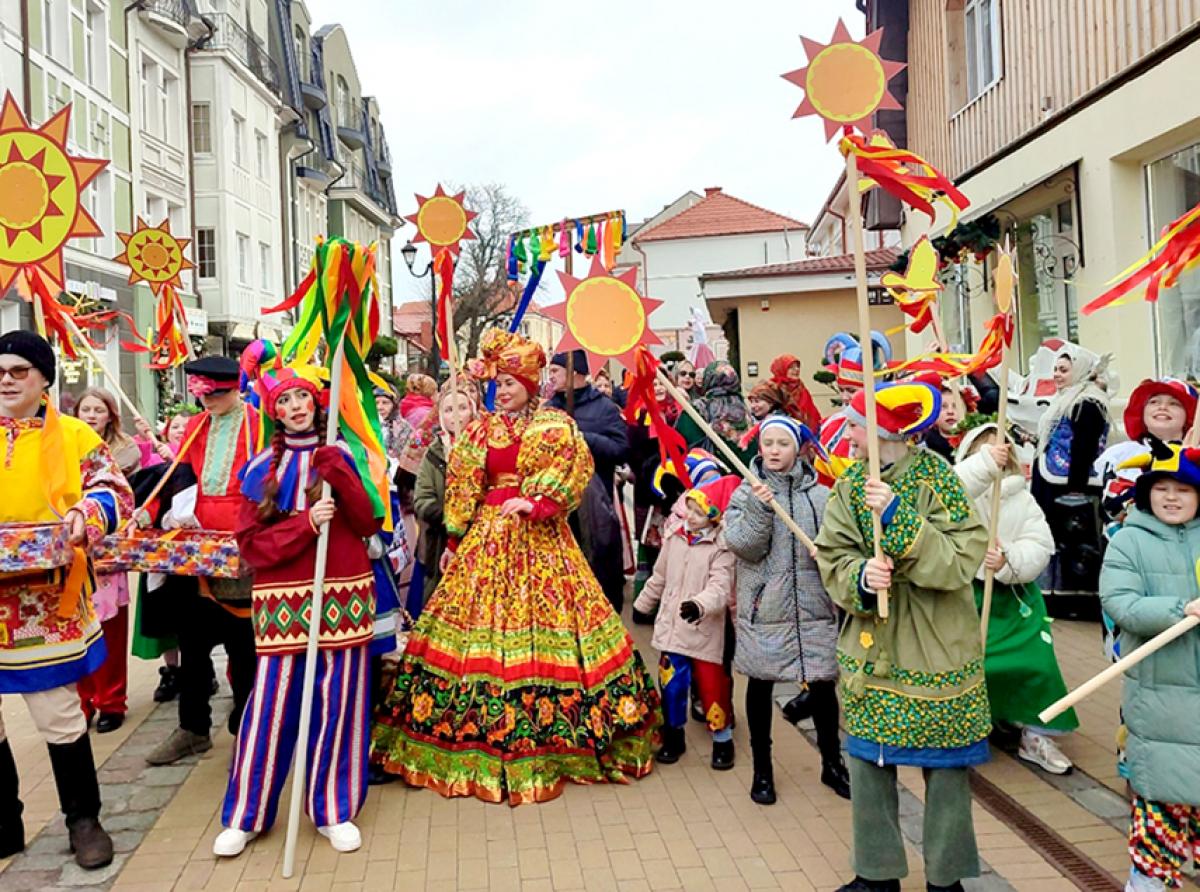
(155, 256)
(40, 208)
(443, 221)
(845, 81)
(604, 315)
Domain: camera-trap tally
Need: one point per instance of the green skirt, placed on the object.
(1023, 677)
(143, 646)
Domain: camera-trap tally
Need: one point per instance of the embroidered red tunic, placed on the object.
(283, 553)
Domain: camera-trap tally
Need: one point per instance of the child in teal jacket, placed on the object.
(1149, 582)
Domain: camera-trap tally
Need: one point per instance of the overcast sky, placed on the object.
(583, 107)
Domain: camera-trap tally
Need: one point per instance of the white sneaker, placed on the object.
(1043, 752)
(231, 842)
(343, 837)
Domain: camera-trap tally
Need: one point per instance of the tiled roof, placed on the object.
(877, 261)
(719, 214)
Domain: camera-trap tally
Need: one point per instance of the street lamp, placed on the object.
(409, 252)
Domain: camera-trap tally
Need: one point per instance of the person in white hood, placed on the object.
(1021, 669)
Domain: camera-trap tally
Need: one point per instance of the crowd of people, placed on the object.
(475, 645)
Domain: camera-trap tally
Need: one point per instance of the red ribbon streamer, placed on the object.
(443, 270)
(672, 448)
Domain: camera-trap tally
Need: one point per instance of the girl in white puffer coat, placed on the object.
(1021, 669)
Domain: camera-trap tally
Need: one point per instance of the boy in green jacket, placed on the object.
(912, 685)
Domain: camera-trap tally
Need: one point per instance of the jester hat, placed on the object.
(902, 410)
(699, 464)
(1164, 460)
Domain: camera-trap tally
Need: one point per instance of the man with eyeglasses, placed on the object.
(53, 468)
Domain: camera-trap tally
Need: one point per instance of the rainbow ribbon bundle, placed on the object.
(338, 301)
(1177, 252)
(166, 341)
(903, 174)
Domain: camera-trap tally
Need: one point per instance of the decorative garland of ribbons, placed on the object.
(956, 365)
(603, 236)
(338, 302)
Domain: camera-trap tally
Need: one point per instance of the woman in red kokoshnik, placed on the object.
(518, 676)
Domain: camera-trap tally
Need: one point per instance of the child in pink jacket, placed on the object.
(692, 586)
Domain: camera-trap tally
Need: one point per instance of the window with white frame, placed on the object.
(260, 154)
(264, 265)
(981, 22)
(299, 39)
(145, 88)
(206, 253)
(95, 36)
(167, 91)
(243, 258)
(48, 28)
(201, 128)
(1172, 187)
(239, 139)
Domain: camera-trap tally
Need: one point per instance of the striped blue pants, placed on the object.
(337, 742)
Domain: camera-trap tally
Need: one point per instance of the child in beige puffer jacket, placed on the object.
(692, 586)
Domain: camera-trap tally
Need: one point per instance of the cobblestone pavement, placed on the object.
(684, 827)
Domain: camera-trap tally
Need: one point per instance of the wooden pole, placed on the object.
(740, 466)
(1123, 665)
(868, 353)
(989, 576)
(112, 380)
(300, 772)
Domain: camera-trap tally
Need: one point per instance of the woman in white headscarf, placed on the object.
(1071, 435)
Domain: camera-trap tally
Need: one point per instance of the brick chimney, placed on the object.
(709, 191)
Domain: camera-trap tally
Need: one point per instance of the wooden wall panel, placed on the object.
(1052, 51)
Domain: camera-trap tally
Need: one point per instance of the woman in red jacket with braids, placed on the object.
(278, 527)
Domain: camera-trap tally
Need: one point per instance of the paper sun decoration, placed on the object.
(845, 81)
(444, 222)
(604, 315)
(155, 256)
(40, 208)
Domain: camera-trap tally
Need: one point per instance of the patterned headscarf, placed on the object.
(722, 405)
(507, 353)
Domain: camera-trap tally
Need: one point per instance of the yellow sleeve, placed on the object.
(465, 477)
(555, 461)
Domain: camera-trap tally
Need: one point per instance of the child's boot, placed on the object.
(674, 746)
(722, 756)
(835, 776)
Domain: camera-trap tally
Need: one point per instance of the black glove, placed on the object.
(642, 619)
(690, 611)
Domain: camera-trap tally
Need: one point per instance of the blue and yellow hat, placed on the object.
(902, 410)
(699, 464)
(1172, 460)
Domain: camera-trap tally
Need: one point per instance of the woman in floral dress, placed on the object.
(518, 676)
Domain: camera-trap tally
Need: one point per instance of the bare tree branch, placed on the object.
(481, 292)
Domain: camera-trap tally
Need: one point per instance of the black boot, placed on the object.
(835, 776)
(860, 885)
(79, 795)
(674, 746)
(762, 788)
(957, 887)
(168, 684)
(12, 828)
(722, 757)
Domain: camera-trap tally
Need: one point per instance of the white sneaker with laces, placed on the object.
(343, 837)
(1043, 752)
(231, 842)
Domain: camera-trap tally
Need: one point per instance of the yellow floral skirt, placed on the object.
(518, 676)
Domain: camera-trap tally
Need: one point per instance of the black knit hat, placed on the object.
(581, 361)
(32, 347)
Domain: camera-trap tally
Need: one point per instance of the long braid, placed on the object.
(267, 507)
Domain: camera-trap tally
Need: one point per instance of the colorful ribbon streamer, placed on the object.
(672, 448)
(1178, 251)
(338, 301)
(903, 174)
(956, 365)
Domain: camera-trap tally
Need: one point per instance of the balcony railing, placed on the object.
(178, 11)
(247, 48)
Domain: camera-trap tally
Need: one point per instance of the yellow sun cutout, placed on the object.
(604, 315)
(154, 255)
(40, 185)
(442, 220)
(845, 81)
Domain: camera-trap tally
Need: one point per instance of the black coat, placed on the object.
(603, 427)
